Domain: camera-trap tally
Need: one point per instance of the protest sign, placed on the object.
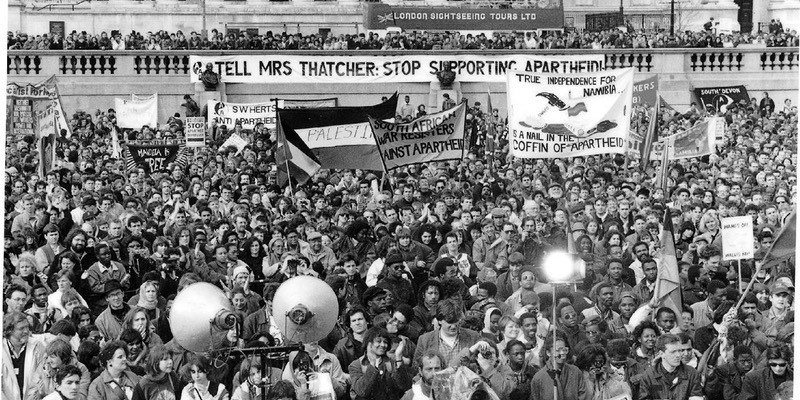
(376, 68)
(645, 92)
(716, 99)
(153, 157)
(247, 114)
(195, 131)
(717, 125)
(434, 137)
(552, 116)
(21, 98)
(737, 238)
(234, 141)
(137, 113)
(696, 141)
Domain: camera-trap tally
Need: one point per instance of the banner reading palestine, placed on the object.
(153, 157)
(553, 116)
(339, 137)
(434, 137)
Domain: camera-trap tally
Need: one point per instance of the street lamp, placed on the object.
(561, 267)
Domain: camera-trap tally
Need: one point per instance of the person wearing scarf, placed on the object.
(148, 300)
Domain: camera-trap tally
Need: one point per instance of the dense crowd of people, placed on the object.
(438, 269)
(607, 39)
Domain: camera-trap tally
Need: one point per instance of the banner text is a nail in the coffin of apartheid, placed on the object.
(554, 116)
(434, 137)
(288, 68)
(153, 157)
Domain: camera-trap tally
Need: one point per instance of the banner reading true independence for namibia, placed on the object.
(434, 137)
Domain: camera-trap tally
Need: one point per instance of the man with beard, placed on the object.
(110, 320)
(102, 272)
(604, 299)
(77, 244)
(430, 363)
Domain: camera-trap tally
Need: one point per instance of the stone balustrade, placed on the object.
(155, 63)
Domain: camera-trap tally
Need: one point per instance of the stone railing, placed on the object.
(159, 63)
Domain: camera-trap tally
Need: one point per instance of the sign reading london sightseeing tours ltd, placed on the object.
(546, 14)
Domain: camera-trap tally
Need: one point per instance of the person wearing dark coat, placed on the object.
(762, 383)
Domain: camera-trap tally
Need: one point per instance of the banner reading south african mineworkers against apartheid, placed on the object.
(153, 157)
(377, 68)
(434, 137)
(553, 116)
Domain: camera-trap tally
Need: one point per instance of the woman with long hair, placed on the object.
(138, 319)
(160, 382)
(199, 386)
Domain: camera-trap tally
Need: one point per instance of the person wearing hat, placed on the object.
(110, 321)
(375, 301)
(778, 314)
(101, 272)
(394, 281)
(317, 252)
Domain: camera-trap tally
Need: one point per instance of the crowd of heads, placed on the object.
(434, 265)
(569, 39)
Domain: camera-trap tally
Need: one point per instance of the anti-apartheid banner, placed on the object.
(645, 92)
(548, 14)
(247, 114)
(377, 68)
(137, 113)
(696, 141)
(153, 157)
(552, 116)
(434, 137)
(719, 98)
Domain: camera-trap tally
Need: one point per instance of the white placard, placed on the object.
(737, 238)
(195, 131)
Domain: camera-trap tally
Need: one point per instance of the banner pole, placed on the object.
(289, 178)
(740, 274)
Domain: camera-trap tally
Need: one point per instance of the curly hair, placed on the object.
(587, 355)
(637, 332)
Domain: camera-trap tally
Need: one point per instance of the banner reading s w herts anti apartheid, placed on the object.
(434, 137)
(553, 116)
